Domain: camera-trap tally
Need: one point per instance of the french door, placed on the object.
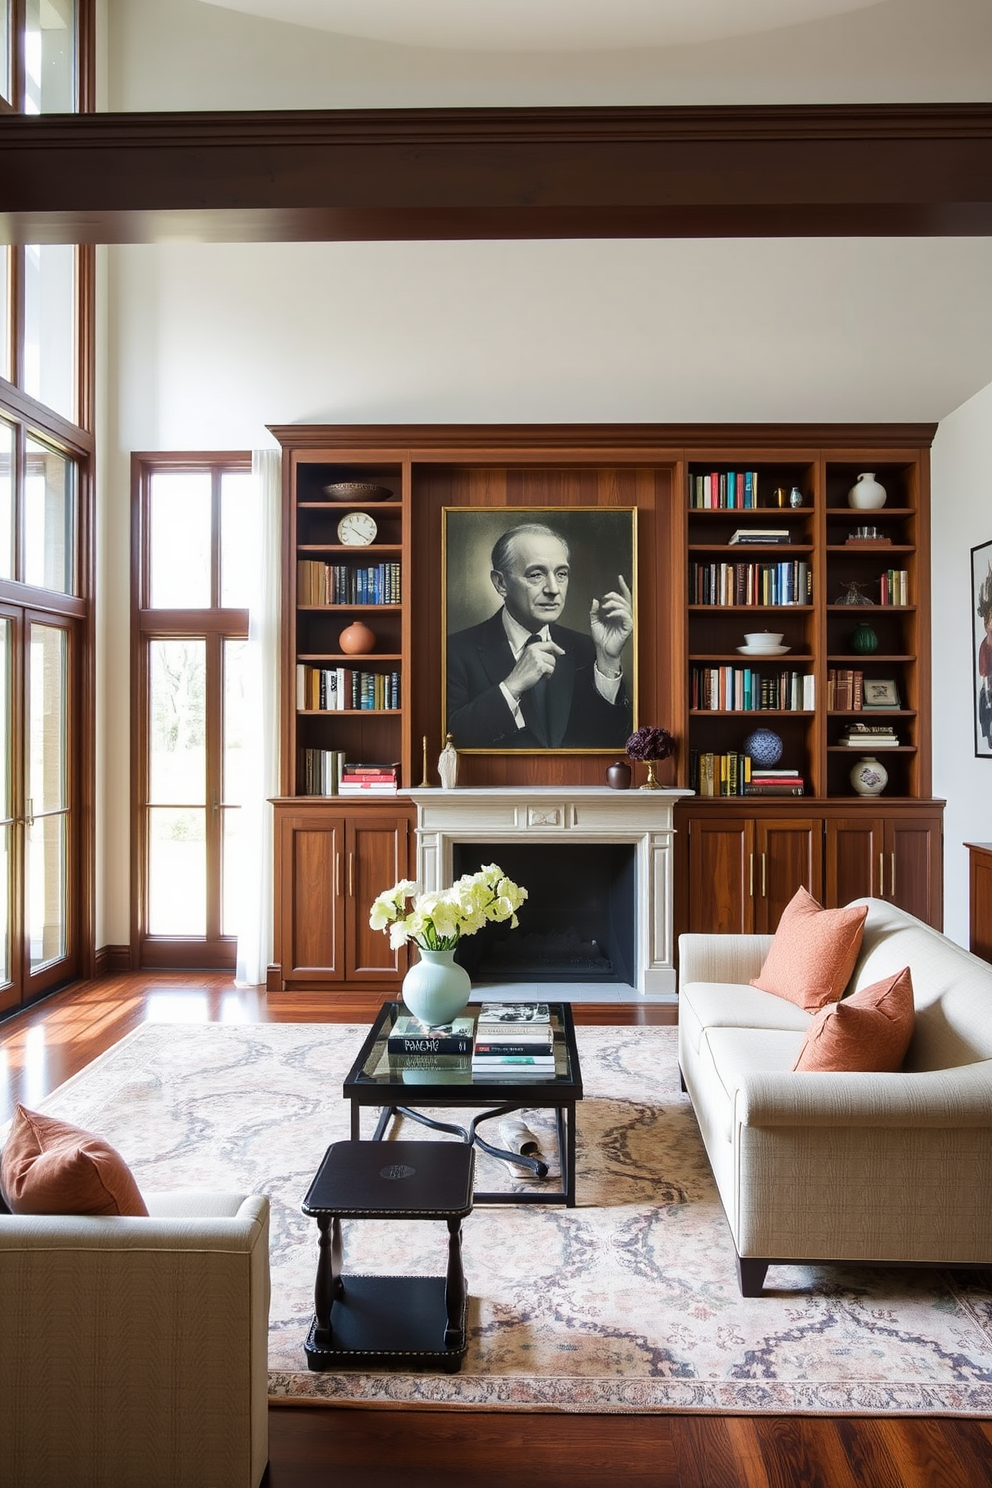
(39, 878)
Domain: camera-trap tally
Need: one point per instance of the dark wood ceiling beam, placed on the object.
(498, 173)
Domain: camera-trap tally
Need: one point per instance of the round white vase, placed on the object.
(436, 989)
(868, 777)
(866, 494)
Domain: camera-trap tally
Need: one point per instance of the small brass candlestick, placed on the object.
(425, 783)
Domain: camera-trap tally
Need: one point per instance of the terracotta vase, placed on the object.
(356, 639)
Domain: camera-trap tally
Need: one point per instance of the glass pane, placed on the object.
(49, 481)
(5, 836)
(177, 722)
(237, 539)
(232, 889)
(5, 312)
(177, 872)
(5, 88)
(6, 501)
(46, 782)
(6, 743)
(50, 325)
(232, 784)
(49, 56)
(179, 540)
(46, 885)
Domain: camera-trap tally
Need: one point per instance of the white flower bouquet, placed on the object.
(437, 922)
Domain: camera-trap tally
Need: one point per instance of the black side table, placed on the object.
(379, 1321)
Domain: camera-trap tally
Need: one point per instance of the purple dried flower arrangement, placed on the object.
(650, 744)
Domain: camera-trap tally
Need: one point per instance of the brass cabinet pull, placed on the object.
(337, 875)
(764, 875)
(881, 875)
(351, 875)
(750, 874)
(893, 875)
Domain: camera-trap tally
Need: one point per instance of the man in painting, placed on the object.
(985, 660)
(519, 680)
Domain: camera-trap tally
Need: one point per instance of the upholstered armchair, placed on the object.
(134, 1350)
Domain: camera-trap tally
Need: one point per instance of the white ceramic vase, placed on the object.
(866, 494)
(436, 989)
(447, 765)
(868, 777)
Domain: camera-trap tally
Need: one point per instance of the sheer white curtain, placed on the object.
(262, 730)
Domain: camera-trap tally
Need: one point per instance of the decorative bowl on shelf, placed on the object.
(763, 650)
(763, 640)
(357, 491)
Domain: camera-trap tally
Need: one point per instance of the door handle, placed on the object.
(750, 874)
(893, 861)
(881, 875)
(764, 875)
(337, 875)
(351, 875)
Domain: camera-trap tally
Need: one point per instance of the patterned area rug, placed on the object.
(628, 1302)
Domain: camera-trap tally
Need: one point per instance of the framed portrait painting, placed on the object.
(539, 628)
(981, 616)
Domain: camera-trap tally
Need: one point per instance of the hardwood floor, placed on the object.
(45, 1044)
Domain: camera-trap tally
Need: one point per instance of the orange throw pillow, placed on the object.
(811, 958)
(50, 1167)
(870, 1030)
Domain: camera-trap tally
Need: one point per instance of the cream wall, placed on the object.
(962, 460)
(203, 345)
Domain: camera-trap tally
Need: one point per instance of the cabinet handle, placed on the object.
(881, 875)
(750, 874)
(764, 875)
(337, 875)
(351, 875)
(893, 861)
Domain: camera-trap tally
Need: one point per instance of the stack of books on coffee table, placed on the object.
(513, 1039)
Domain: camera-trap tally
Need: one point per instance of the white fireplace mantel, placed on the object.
(561, 814)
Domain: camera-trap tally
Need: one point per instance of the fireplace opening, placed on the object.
(577, 924)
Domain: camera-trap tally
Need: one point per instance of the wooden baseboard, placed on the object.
(112, 960)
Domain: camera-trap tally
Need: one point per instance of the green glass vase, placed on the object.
(864, 640)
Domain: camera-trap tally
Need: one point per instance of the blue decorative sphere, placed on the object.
(764, 747)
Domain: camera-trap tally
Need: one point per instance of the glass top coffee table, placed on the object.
(405, 1085)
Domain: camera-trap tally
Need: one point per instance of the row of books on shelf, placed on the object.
(786, 583)
(327, 772)
(319, 583)
(724, 490)
(508, 1039)
(894, 587)
(327, 689)
(736, 774)
(734, 689)
(848, 691)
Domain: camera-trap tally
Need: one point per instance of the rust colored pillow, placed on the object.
(811, 958)
(870, 1030)
(50, 1167)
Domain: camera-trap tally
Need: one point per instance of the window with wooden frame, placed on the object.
(191, 564)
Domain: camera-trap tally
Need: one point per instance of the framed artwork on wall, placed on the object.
(539, 628)
(981, 614)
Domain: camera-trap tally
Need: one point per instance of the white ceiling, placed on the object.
(544, 25)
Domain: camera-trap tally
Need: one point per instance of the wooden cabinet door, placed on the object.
(377, 857)
(855, 854)
(309, 903)
(721, 869)
(912, 862)
(788, 856)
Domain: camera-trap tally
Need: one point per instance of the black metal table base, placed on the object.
(470, 1134)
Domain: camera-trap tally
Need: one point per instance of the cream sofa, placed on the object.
(135, 1351)
(892, 1168)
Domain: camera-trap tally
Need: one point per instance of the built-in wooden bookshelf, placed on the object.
(739, 858)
